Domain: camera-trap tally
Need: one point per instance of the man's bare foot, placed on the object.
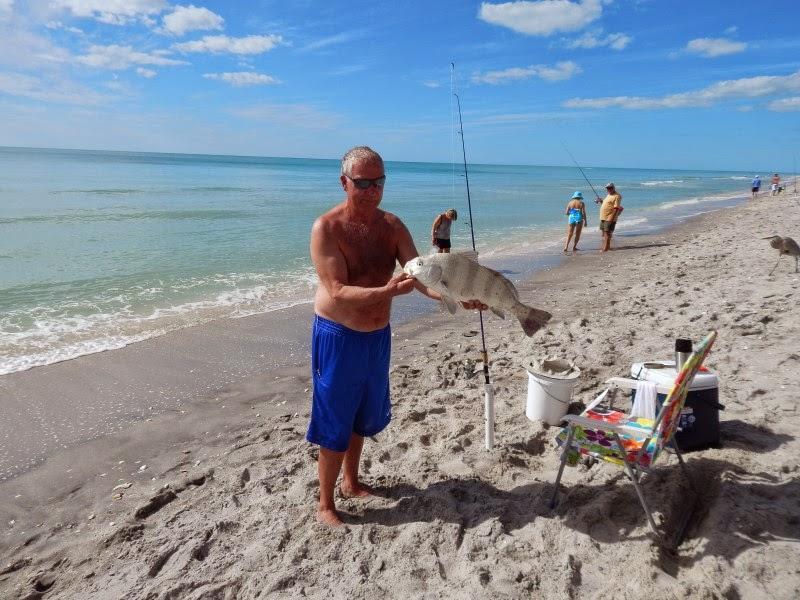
(329, 517)
(359, 490)
(576, 249)
(565, 250)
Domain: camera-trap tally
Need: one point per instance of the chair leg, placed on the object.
(636, 486)
(564, 456)
(684, 468)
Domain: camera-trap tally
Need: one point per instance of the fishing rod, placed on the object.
(487, 384)
(596, 195)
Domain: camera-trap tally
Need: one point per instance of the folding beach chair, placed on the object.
(632, 443)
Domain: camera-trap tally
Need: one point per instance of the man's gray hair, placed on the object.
(358, 154)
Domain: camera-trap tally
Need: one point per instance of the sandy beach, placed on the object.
(214, 497)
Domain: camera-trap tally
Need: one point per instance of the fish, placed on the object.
(459, 277)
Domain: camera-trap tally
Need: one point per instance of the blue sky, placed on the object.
(627, 83)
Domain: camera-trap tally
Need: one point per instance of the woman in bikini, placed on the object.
(576, 220)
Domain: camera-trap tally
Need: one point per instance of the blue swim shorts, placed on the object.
(350, 374)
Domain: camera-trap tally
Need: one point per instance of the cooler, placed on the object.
(698, 427)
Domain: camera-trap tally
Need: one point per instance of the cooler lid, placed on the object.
(703, 380)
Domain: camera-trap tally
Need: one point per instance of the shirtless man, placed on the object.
(775, 184)
(355, 247)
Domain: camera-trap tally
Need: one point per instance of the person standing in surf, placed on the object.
(440, 230)
(576, 220)
(756, 186)
(355, 247)
(610, 209)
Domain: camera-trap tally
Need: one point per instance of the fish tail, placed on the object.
(531, 319)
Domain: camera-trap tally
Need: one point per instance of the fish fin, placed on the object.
(450, 304)
(531, 319)
(435, 274)
(498, 312)
(470, 254)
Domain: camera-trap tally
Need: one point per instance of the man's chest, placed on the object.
(370, 254)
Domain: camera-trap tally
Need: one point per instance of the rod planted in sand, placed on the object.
(487, 383)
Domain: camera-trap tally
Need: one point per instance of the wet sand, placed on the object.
(221, 498)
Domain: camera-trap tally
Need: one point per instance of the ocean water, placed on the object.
(102, 249)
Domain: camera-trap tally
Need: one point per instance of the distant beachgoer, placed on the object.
(609, 213)
(440, 231)
(355, 247)
(576, 220)
(756, 187)
(776, 182)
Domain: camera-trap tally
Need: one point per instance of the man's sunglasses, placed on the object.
(365, 184)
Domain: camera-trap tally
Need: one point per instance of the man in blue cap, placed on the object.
(576, 219)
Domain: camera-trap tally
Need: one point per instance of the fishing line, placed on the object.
(596, 195)
(452, 133)
(489, 404)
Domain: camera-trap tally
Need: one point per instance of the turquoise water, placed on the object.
(101, 249)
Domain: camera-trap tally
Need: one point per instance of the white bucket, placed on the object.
(549, 397)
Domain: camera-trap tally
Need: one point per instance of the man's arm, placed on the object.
(436, 222)
(332, 270)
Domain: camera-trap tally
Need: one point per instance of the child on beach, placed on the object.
(576, 220)
(440, 230)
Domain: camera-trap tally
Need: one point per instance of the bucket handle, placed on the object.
(549, 394)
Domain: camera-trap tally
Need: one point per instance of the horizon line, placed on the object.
(259, 156)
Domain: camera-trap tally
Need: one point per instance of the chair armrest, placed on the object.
(630, 384)
(606, 426)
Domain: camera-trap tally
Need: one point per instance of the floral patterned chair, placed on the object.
(634, 444)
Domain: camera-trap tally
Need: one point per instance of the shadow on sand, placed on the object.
(640, 246)
(736, 510)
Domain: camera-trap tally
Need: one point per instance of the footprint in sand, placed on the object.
(396, 452)
(419, 415)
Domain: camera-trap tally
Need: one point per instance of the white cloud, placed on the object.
(243, 78)
(713, 47)
(60, 25)
(349, 69)
(558, 72)
(432, 84)
(597, 39)
(120, 58)
(148, 73)
(22, 49)
(543, 17)
(749, 87)
(191, 18)
(339, 38)
(113, 12)
(251, 44)
(785, 104)
(6, 8)
(302, 116)
(47, 90)
(731, 30)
